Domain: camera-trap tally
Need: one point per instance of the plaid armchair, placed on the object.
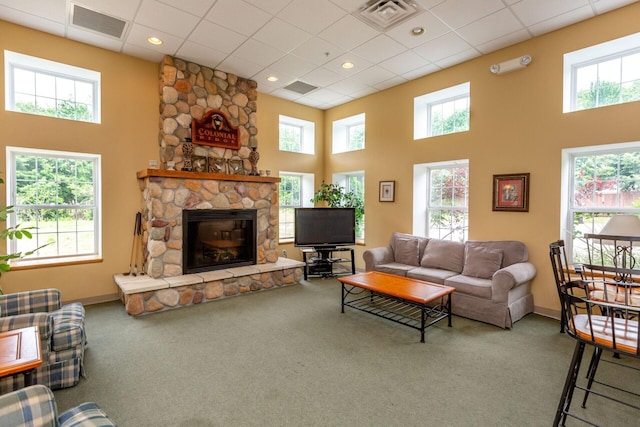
(62, 336)
(35, 406)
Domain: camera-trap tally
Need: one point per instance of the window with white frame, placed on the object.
(297, 135)
(444, 212)
(57, 194)
(296, 191)
(601, 75)
(353, 182)
(598, 182)
(349, 134)
(442, 112)
(39, 86)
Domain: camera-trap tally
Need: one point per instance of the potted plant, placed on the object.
(16, 232)
(335, 196)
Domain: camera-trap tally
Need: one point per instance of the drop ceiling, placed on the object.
(305, 42)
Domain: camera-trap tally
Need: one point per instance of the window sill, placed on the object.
(54, 262)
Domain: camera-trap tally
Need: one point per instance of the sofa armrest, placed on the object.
(375, 256)
(34, 405)
(42, 300)
(510, 277)
(87, 414)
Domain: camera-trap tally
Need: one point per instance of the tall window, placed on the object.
(444, 212)
(296, 135)
(353, 182)
(39, 86)
(442, 112)
(349, 134)
(296, 191)
(602, 181)
(58, 194)
(604, 74)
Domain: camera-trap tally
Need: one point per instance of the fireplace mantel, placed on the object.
(162, 173)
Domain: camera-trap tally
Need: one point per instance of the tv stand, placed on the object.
(321, 261)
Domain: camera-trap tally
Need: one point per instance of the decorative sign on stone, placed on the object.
(214, 129)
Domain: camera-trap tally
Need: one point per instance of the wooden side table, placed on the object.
(20, 353)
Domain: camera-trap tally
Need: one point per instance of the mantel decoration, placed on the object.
(387, 191)
(215, 130)
(511, 192)
(254, 156)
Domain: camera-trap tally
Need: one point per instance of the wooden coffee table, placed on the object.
(407, 301)
(20, 352)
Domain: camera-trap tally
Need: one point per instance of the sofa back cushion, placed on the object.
(407, 249)
(482, 262)
(443, 254)
(512, 251)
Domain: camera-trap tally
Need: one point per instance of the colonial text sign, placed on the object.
(214, 129)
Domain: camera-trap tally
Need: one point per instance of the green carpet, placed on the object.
(288, 357)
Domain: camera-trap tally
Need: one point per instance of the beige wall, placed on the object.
(517, 126)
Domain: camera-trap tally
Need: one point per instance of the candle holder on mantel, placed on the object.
(187, 155)
(254, 156)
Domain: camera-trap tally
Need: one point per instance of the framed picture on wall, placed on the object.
(387, 191)
(511, 192)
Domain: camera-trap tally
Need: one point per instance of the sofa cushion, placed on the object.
(407, 252)
(513, 251)
(397, 236)
(394, 268)
(444, 254)
(482, 262)
(475, 286)
(433, 275)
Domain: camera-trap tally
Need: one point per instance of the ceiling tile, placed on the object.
(272, 6)
(422, 71)
(560, 21)
(335, 65)
(456, 15)
(257, 52)
(603, 6)
(32, 21)
(203, 55)
(348, 33)
(321, 77)
(138, 35)
(490, 27)
(217, 37)
(292, 65)
(123, 9)
(194, 7)
(459, 57)
(95, 39)
(404, 62)
(140, 52)
(372, 75)
(238, 66)
(443, 47)
(165, 18)
(281, 35)
(317, 50)
(504, 41)
(347, 86)
(534, 11)
(379, 48)
(238, 16)
(264, 84)
(52, 10)
(395, 81)
(312, 16)
(434, 28)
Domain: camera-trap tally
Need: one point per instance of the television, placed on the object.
(325, 227)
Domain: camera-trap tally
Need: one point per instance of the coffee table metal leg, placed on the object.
(343, 297)
(423, 321)
(449, 308)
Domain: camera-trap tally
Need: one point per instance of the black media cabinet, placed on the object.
(321, 261)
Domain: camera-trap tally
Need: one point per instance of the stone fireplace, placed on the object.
(179, 270)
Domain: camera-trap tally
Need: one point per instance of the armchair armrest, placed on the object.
(43, 321)
(33, 405)
(375, 256)
(510, 277)
(43, 300)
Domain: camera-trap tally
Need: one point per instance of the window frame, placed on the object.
(96, 207)
(423, 106)
(593, 55)
(307, 134)
(567, 209)
(14, 60)
(306, 194)
(341, 133)
(422, 195)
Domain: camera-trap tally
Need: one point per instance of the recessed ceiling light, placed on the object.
(154, 40)
(347, 65)
(417, 31)
(272, 78)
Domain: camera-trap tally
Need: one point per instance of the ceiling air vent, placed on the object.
(300, 87)
(385, 14)
(99, 22)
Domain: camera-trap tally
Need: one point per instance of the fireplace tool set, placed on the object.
(136, 249)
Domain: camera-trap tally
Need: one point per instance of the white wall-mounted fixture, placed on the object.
(511, 65)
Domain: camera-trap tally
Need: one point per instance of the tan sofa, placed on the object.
(492, 278)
